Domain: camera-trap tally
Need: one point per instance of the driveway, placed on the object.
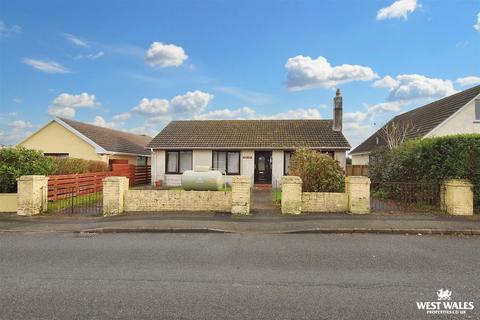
(232, 276)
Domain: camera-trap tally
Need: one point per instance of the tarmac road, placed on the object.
(233, 276)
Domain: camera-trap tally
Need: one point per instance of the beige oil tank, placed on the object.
(202, 179)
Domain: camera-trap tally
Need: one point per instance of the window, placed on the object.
(141, 161)
(477, 110)
(179, 161)
(58, 155)
(331, 154)
(226, 161)
(286, 161)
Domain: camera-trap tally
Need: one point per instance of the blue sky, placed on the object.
(135, 65)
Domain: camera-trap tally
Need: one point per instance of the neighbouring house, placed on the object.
(68, 138)
(260, 149)
(455, 114)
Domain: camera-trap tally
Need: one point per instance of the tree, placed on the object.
(319, 172)
(395, 134)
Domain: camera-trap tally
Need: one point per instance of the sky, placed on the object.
(136, 65)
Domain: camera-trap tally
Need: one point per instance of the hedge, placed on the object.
(74, 165)
(430, 160)
(18, 161)
(319, 172)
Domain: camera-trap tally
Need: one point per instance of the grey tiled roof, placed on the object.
(112, 140)
(423, 119)
(249, 134)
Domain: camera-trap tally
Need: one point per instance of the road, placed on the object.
(233, 276)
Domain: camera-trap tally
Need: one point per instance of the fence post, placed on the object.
(241, 195)
(358, 194)
(113, 195)
(32, 195)
(291, 195)
(457, 197)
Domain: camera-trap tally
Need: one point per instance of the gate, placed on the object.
(79, 201)
(76, 194)
(405, 197)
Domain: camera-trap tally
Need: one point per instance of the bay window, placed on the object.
(179, 161)
(226, 161)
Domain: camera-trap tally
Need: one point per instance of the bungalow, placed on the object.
(68, 138)
(260, 149)
(455, 114)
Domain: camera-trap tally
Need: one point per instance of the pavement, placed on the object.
(234, 276)
(270, 223)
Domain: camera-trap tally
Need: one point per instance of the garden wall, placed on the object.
(8, 202)
(177, 200)
(324, 202)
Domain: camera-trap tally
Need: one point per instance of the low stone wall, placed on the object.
(324, 202)
(8, 202)
(355, 200)
(177, 200)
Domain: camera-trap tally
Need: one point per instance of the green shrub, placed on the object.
(18, 161)
(319, 172)
(430, 160)
(74, 165)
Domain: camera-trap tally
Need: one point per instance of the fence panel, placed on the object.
(356, 170)
(142, 175)
(405, 197)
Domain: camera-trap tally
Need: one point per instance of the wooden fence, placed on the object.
(64, 186)
(356, 170)
(142, 175)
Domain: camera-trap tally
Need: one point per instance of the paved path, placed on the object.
(263, 203)
(232, 276)
(256, 223)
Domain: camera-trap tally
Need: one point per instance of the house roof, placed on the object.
(249, 134)
(110, 140)
(423, 119)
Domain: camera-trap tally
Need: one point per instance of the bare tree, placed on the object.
(395, 134)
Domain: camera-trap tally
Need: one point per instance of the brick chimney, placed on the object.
(337, 111)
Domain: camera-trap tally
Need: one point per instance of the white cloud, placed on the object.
(477, 25)
(5, 30)
(17, 100)
(191, 102)
(300, 113)
(249, 113)
(75, 40)
(18, 130)
(384, 107)
(468, 81)
(408, 87)
(100, 121)
(306, 73)
(65, 104)
(151, 107)
(385, 82)
(398, 9)
(355, 116)
(91, 56)
(462, 44)
(165, 55)
(122, 117)
(46, 66)
(241, 113)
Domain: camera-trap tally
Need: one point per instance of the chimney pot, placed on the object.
(337, 111)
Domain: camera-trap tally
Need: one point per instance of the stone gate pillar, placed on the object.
(114, 195)
(291, 195)
(457, 197)
(241, 195)
(32, 193)
(358, 194)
